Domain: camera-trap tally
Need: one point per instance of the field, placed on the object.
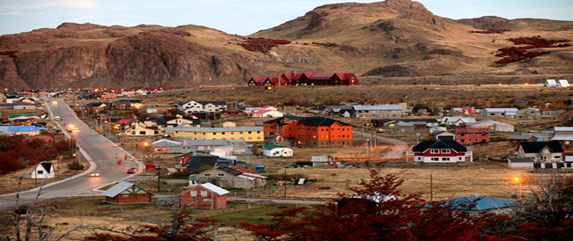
(436, 95)
(65, 214)
(448, 182)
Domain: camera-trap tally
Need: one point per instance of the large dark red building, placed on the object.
(309, 79)
(313, 131)
(470, 136)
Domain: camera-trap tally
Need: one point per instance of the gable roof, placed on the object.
(320, 121)
(47, 166)
(345, 76)
(212, 102)
(270, 147)
(535, 147)
(439, 144)
(377, 107)
(124, 121)
(117, 189)
(481, 203)
(291, 76)
(215, 189)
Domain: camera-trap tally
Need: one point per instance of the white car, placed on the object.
(58, 118)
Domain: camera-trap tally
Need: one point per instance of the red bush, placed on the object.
(489, 31)
(262, 45)
(17, 152)
(516, 54)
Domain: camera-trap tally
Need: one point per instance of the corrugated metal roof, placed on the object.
(563, 128)
(218, 129)
(191, 142)
(377, 107)
(20, 128)
(563, 137)
(215, 189)
(480, 202)
(117, 189)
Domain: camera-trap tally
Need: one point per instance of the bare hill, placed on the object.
(395, 38)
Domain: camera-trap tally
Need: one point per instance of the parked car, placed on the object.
(58, 118)
(132, 170)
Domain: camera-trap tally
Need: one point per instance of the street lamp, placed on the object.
(518, 181)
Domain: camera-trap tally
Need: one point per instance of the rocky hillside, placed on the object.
(395, 38)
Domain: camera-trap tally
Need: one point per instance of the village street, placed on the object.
(102, 154)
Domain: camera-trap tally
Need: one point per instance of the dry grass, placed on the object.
(448, 182)
(437, 95)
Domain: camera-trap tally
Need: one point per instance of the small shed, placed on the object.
(127, 193)
(43, 170)
(204, 196)
(277, 151)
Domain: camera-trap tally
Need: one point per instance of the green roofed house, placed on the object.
(277, 151)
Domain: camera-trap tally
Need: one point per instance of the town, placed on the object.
(215, 154)
(283, 120)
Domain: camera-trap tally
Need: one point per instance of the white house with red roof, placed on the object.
(441, 151)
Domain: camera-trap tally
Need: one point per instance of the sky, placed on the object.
(236, 16)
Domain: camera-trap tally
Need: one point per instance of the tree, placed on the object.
(374, 210)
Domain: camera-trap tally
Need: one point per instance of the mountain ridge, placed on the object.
(394, 38)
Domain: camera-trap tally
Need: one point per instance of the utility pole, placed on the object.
(158, 179)
(284, 183)
(431, 187)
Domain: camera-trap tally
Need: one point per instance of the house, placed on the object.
(466, 110)
(380, 111)
(204, 196)
(551, 83)
(95, 107)
(126, 104)
(315, 79)
(247, 133)
(406, 126)
(551, 113)
(516, 162)
(18, 106)
(268, 81)
(456, 121)
(563, 83)
(290, 78)
(343, 79)
(446, 136)
(529, 114)
(470, 136)
(318, 131)
(43, 170)
(441, 151)
(256, 80)
(191, 106)
(122, 124)
(138, 128)
(500, 112)
(325, 161)
(545, 154)
(420, 109)
(23, 120)
(30, 130)
(277, 151)
(127, 193)
(563, 134)
(480, 203)
(198, 160)
(232, 177)
(516, 139)
(167, 146)
(264, 112)
(494, 126)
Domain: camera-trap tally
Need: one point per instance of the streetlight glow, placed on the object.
(516, 179)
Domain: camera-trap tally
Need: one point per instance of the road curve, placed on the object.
(101, 152)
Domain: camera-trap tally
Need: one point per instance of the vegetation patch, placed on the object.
(262, 45)
(516, 54)
(489, 31)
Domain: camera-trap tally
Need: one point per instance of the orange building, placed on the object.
(314, 131)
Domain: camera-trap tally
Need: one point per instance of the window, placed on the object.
(446, 159)
(435, 159)
(207, 174)
(40, 172)
(250, 132)
(222, 133)
(434, 151)
(203, 193)
(446, 151)
(193, 193)
(221, 174)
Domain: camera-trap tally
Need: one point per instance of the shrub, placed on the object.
(75, 166)
(262, 45)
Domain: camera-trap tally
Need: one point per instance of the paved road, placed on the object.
(102, 154)
(397, 146)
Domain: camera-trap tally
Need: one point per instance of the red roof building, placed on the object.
(314, 79)
(204, 196)
(312, 131)
(257, 80)
(290, 78)
(343, 79)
